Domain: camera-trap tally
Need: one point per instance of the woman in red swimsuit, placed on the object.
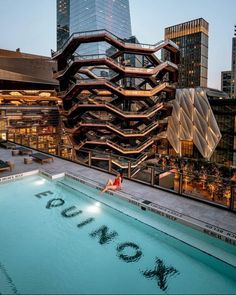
(113, 185)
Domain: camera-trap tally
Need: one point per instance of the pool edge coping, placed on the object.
(207, 228)
(13, 177)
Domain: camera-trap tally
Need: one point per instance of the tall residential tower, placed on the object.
(226, 82)
(233, 66)
(192, 39)
(228, 78)
(88, 15)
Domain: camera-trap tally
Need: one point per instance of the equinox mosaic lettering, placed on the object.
(128, 251)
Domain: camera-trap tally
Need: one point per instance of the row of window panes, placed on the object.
(189, 27)
(112, 27)
(98, 5)
(193, 39)
(99, 22)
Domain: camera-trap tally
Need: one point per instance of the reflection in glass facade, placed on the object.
(226, 82)
(228, 78)
(63, 18)
(192, 39)
(225, 114)
(88, 15)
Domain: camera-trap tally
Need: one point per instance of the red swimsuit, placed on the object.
(116, 182)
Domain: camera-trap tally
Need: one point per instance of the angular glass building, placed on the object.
(192, 39)
(88, 15)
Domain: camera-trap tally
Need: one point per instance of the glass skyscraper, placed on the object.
(87, 15)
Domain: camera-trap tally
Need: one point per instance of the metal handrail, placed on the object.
(140, 147)
(156, 107)
(105, 32)
(115, 87)
(150, 71)
(117, 128)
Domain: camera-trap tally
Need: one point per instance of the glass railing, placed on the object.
(195, 184)
(209, 188)
(121, 161)
(169, 173)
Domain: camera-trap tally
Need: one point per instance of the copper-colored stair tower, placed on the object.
(117, 102)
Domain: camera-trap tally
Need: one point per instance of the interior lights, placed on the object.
(46, 94)
(15, 93)
(31, 91)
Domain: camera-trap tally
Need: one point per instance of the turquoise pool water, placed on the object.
(55, 239)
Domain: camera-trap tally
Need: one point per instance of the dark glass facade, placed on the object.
(88, 15)
(63, 22)
(225, 114)
(233, 94)
(226, 82)
(192, 39)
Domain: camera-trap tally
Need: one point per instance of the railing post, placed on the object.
(180, 183)
(58, 150)
(73, 154)
(46, 144)
(110, 164)
(152, 176)
(232, 197)
(89, 159)
(129, 170)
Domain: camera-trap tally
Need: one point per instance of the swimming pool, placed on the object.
(63, 237)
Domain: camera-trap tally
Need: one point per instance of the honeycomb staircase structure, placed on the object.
(119, 102)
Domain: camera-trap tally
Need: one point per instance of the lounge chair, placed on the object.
(42, 158)
(24, 151)
(4, 166)
(7, 145)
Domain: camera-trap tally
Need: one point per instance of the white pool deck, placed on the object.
(213, 221)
